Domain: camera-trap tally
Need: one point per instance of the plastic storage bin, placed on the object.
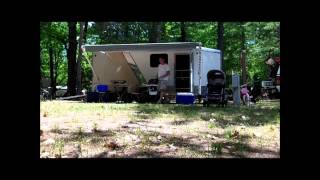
(185, 98)
(102, 88)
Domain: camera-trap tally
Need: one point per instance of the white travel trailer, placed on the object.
(137, 63)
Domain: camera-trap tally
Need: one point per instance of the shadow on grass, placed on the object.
(233, 147)
(249, 119)
(256, 116)
(181, 122)
(238, 147)
(95, 137)
(157, 110)
(149, 152)
(243, 150)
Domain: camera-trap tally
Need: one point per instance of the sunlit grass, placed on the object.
(82, 122)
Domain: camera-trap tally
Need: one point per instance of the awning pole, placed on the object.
(85, 55)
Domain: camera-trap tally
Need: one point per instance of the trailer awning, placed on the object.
(142, 46)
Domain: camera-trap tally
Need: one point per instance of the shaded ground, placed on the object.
(85, 130)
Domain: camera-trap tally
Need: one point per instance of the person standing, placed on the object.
(163, 77)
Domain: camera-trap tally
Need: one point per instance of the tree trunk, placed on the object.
(151, 32)
(220, 43)
(183, 32)
(52, 78)
(56, 65)
(71, 54)
(40, 69)
(158, 31)
(79, 87)
(85, 32)
(155, 32)
(126, 30)
(243, 55)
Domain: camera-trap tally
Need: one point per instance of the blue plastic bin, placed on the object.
(102, 88)
(185, 98)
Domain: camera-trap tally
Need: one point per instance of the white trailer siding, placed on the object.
(196, 70)
(210, 59)
(142, 59)
(204, 60)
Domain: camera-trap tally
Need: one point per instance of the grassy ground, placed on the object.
(86, 130)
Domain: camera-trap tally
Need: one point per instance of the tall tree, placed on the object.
(220, 44)
(86, 70)
(243, 54)
(40, 67)
(57, 63)
(85, 32)
(79, 87)
(52, 77)
(155, 32)
(183, 32)
(71, 54)
(126, 30)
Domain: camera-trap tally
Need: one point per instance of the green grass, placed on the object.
(191, 121)
(58, 147)
(216, 148)
(212, 125)
(78, 135)
(228, 133)
(56, 129)
(240, 147)
(262, 113)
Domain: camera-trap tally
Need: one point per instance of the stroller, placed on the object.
(216, 93)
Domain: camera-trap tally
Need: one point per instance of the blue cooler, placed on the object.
(185, 98)
(102, 88)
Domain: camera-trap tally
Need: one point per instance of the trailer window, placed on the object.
(154, 59)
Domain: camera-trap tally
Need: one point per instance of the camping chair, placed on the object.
(121, 89)
(102, 90)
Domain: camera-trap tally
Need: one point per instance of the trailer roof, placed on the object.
(142, 46)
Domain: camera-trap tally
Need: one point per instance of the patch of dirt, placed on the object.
(121, 136)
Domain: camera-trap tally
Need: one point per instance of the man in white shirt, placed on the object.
(163, 77)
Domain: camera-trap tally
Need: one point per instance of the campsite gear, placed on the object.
(185, 98)
(216, 88)
(92, 97)
(102, 91)
(246, 98)
(256, 90)
(121, 90)
(153, 87)
(102, 88)
(236, 89)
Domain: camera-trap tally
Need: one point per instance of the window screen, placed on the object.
(154, 59)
